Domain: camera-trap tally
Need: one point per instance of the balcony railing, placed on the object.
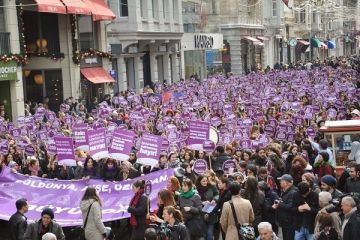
(4, 42)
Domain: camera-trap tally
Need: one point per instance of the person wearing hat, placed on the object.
(284, 206)
(355, 114)
(46, 224)
(328, 184)
(270, 197)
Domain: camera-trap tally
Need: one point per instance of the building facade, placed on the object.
(62, 45)
(145, 42)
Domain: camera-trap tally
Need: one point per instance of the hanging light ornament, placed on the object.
(38, 79)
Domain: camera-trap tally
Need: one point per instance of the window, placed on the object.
(2, 17)
(142, 8)
(314, 15)
(42, 32)
(166, 9)
(155, 9)
(213, 7)
(274, 8)
(87, 33)
(175, 10)
(124, 11)
(302, 16)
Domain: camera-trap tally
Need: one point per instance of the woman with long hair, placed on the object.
(165, 198)
(190, 204)
(173, 185)
(174, 219)
(110, 170)
(138, 209)
(256, 198)
(298, 169)
(209, 195)
(91, 205)
(89, 170)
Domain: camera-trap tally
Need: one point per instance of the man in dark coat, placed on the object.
(350, 228)
(17, 221)
(352, 184)
(305, 208)
(220, 158)
(283, 208)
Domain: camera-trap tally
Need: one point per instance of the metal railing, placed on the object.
(4, 42)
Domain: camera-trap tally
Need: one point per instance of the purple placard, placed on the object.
(269, 130)
(68, 120)
(97, 143)
(228, 164)
(30, 150)
(281, 136)
(79, 131)
(65, 151)
(121, 144)
(150, 148)
(15, 132)
(199, 131)
(200, 166)
(291, 137)
(245, 144)
(42, 192)
(4, 148)
(310, 131)
(21, 121)
(208, 146)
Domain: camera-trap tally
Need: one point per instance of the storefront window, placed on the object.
(2, 17)
(342, 144)
(44, 83)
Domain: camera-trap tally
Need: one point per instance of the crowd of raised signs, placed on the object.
(267, 125)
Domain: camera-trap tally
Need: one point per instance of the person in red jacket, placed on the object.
(323, 167)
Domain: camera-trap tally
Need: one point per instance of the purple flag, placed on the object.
(97, 143)
(150, 148)
(65, 151)
(64, 197)
(198, 133)
(121, 144)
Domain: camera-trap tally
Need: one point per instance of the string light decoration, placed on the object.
(80, 55)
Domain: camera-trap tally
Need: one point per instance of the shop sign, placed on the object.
(8, 70)
(198, 41)
(203, 41)
(93, 61)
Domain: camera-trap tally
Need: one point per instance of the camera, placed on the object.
(336, 202)
(162, 231)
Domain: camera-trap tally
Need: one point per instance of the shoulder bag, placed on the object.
(79, 232)
(245, 231)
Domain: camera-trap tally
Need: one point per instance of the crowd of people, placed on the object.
(278, 184)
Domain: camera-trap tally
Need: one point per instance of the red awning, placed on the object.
(100, 10)
(77, 7)
(251, 39)
(51, 6)
(96, 75)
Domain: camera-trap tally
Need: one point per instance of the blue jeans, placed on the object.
(303, 234)
(210, 231)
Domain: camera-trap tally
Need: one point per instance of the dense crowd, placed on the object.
(277, 183)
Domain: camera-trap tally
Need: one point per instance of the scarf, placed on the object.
(133, 203)
(202, 190)
(188, 194)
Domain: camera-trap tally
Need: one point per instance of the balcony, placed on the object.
(4, 43)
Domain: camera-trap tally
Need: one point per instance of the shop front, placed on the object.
(8, 73)
(200, 53)
(94, 79)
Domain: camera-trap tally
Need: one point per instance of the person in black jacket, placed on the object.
(270, 197)
(110, 170)
(284, 206)
(17, 221)
(138, 209)
(352, 184)
(174, 222)
(218, 161)
(305, 208)
(350, 228)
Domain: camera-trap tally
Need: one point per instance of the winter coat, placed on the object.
(140, 211)
(179, 231)
(211, 194)
(305, 219)
(18, 226)
(193, 219)
(352, 185)
(323, 169)
(223, 197)
(284, 214)
(269, 213)
(95, 228)
(33, 231)
(335, 217)
(244, 214)
(258, 206)
(352, 228)
(133, 173)
(217, 163)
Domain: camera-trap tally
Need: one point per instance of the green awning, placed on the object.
(316, 43)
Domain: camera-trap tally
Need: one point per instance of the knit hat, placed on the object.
(329, 180)
(48, 211)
